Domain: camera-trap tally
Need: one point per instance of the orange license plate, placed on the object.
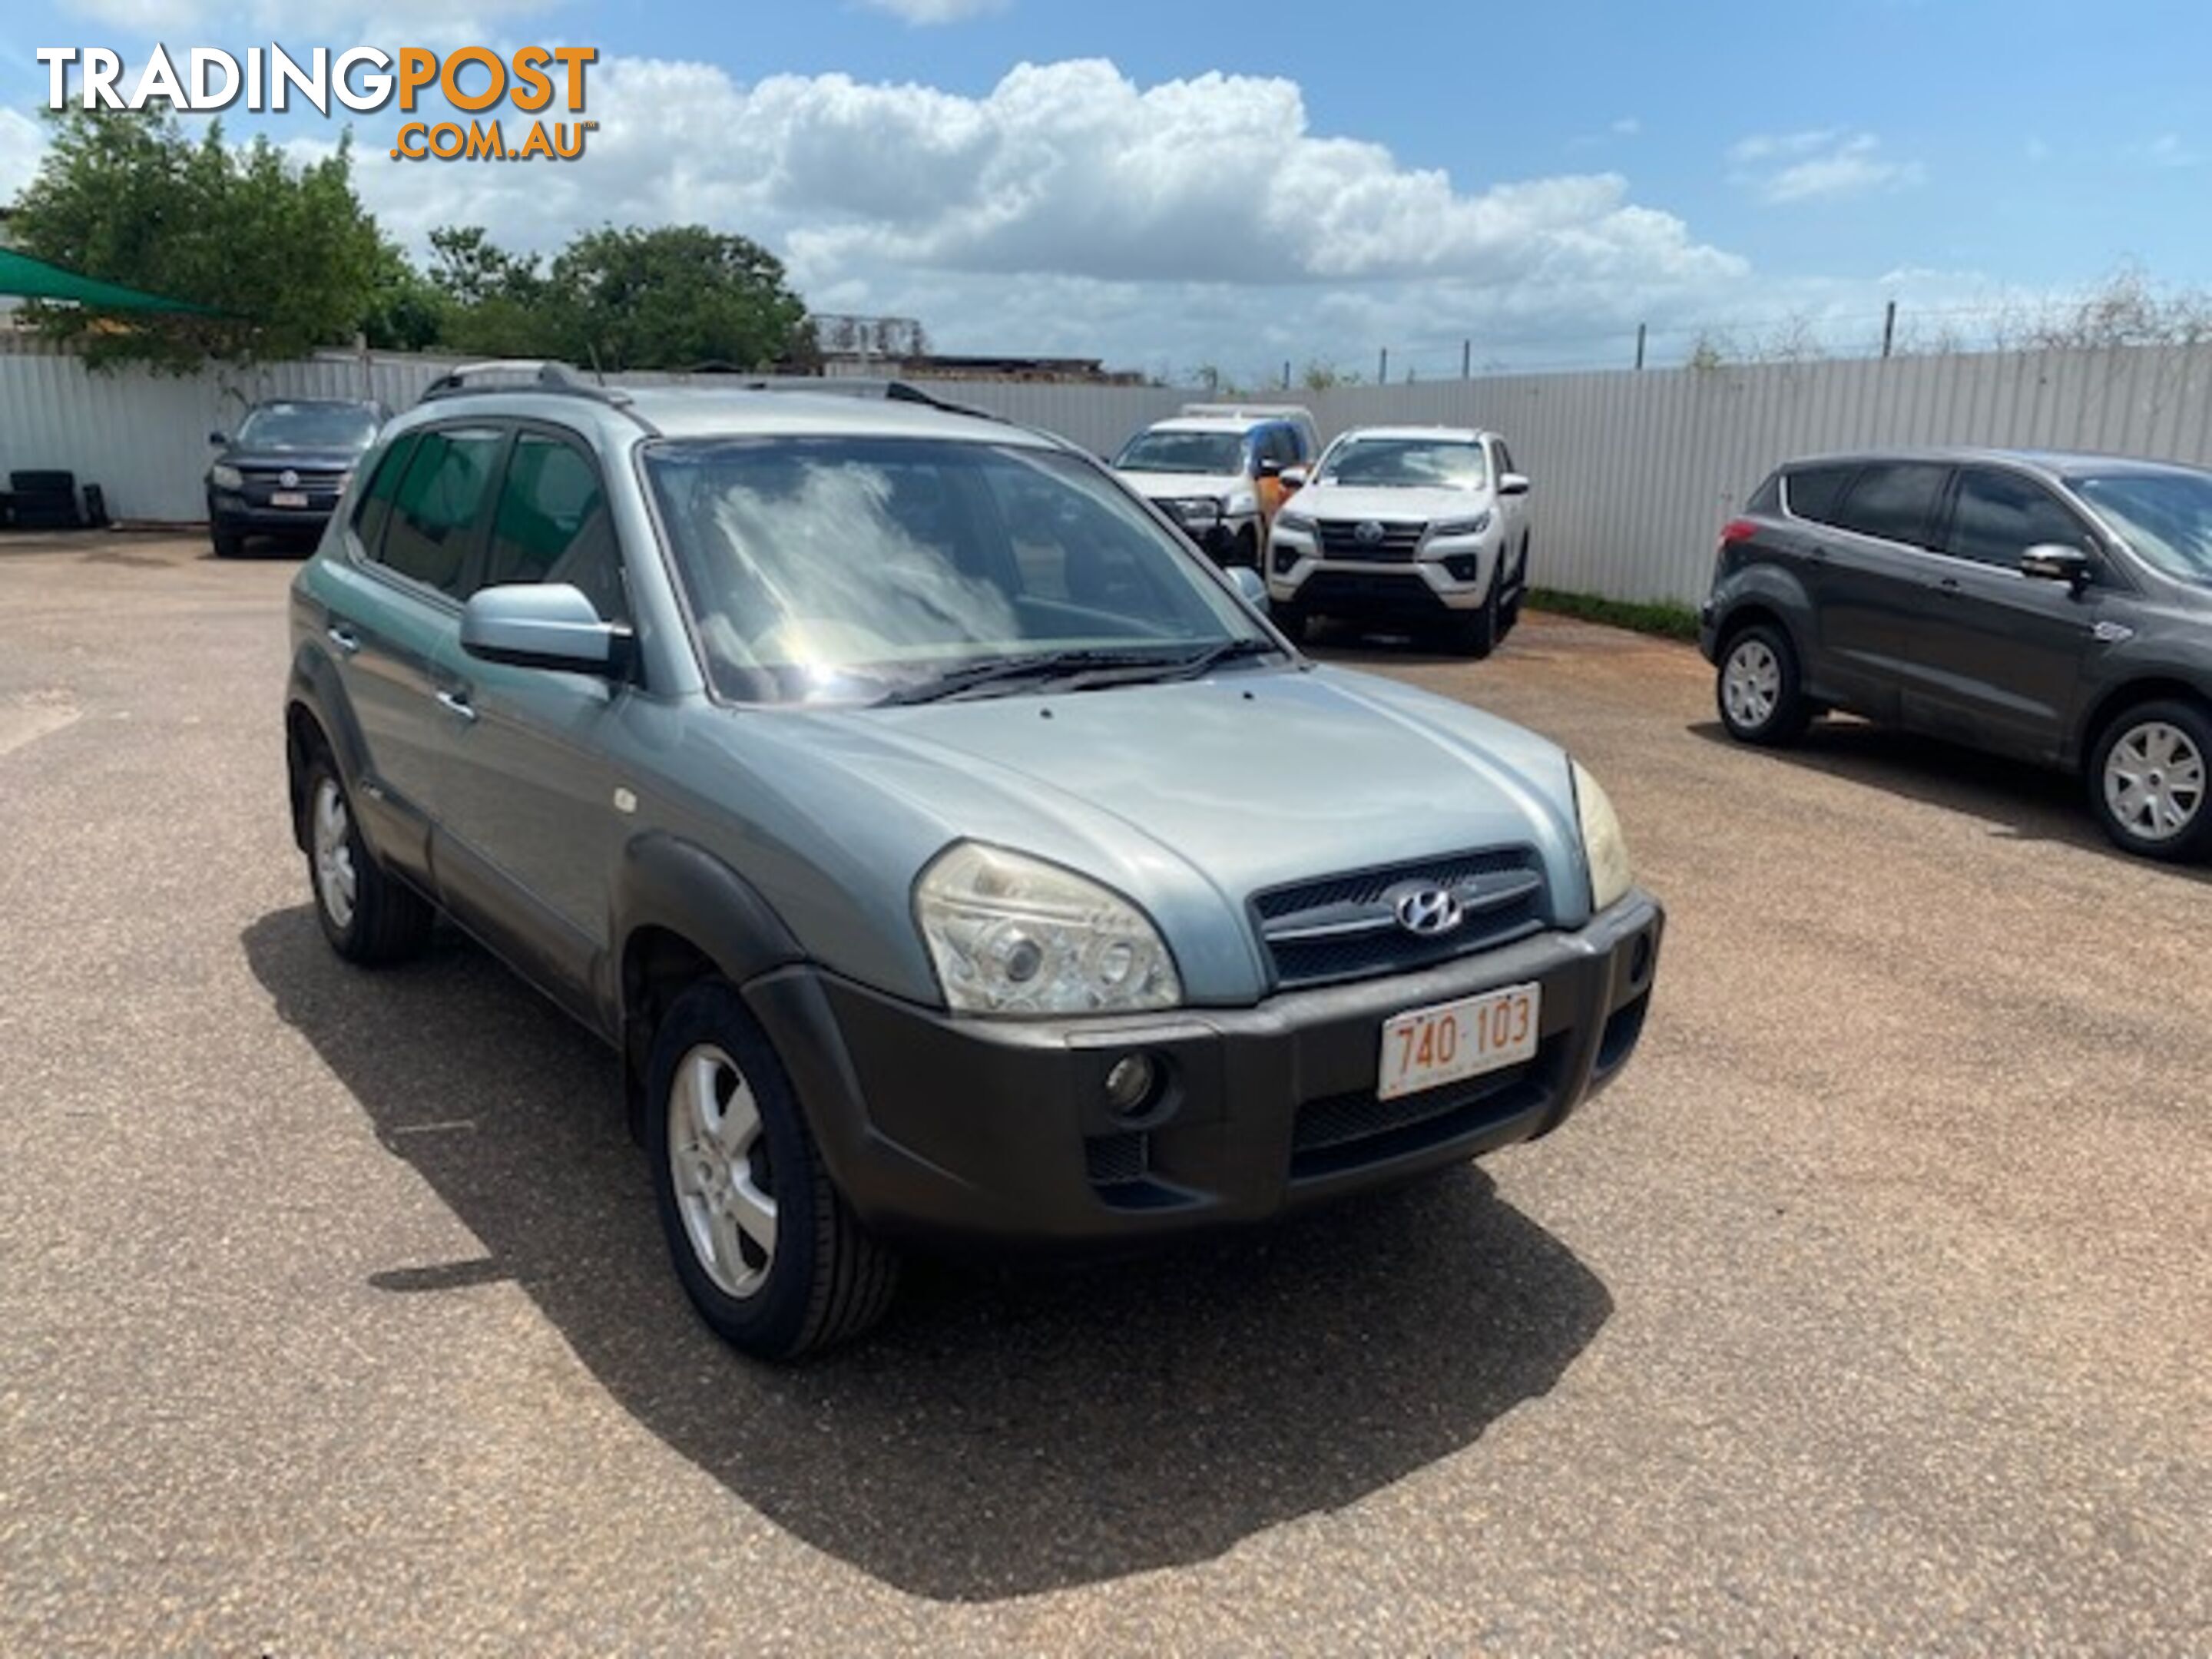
(1455, 1041)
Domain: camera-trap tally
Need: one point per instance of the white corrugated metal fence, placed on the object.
(1635, 472)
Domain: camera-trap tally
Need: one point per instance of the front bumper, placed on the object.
(942, 1130)
(1425, 588)
(241, 514)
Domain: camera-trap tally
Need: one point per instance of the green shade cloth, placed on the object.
(35, 279)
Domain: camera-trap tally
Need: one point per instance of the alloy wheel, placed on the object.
(718, 1158)
(2154, 780)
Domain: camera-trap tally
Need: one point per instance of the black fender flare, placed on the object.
(313, 689)
(667, 885)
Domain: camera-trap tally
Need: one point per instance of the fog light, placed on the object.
(1286, 561)
(1130, 1085)
(1464, 567)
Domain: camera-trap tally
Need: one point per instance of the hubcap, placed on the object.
(1752, 686)
(2154, 780)
(718, 1157)
(337, 885)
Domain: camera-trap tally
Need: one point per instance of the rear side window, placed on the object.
(1894, 502)
(2000, 515)
(1767, 498)
(552, 525)
(440, 498)
(1812, 492)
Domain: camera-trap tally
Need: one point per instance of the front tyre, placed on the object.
(763, 1244)
(1758, 692)
(2147, 778)
(1477, 633)
(370, 918)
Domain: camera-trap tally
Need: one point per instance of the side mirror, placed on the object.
(1512, 483)
(2054, 562)
(549, 625)
(217, 440)
(1250, 586)
(1295, 477)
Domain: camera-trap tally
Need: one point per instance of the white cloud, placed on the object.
(1070, 210)
(1825, 164)
(925, 12)
(1627, 127)
(21, 143)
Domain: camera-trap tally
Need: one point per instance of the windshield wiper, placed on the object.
(1083, 669)
(1012, 670)
(1165, 670)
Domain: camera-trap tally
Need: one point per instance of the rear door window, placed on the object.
(440, 503)
(1895, 500)
(375, 509)
(1999, 515)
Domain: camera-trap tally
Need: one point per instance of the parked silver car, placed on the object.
(952, 852)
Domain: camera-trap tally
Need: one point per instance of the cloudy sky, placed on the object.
(1167, 185)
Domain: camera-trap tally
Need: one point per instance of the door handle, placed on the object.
(1949, 585)
(457, 703)
(342, 637)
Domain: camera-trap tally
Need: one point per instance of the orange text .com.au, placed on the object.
(487, 140)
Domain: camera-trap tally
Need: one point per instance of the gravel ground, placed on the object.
(1869, 1311)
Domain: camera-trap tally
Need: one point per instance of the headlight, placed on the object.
(1012, 934)
(226, 477)
(1201, 507)
(1236, 506)
(1296, 523)
(345, 482)
(1603, 845)
(1473, 527)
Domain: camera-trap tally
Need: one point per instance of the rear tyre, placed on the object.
(763, 1244)
(2147, 780)
(369, 917)
(1758, 689)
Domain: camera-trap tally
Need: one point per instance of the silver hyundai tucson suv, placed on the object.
(953, 854)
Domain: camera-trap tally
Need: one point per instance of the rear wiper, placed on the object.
(1010, 671)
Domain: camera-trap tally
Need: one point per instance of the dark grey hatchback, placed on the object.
(2054, 607)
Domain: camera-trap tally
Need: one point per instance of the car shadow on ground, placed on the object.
(1004, 1433)
(2025, 802)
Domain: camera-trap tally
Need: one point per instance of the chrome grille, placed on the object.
(1399, 543)
(1344, 927)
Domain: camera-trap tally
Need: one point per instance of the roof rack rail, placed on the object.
(891, 390)
(520, 374)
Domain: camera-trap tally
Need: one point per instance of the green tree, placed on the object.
(679, 297)
(496, 305)
(283, 251)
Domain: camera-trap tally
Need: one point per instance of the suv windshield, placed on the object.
(854, 569)
(2166, 517)
(308, 426)
(1214, 453)
(1406, 464)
